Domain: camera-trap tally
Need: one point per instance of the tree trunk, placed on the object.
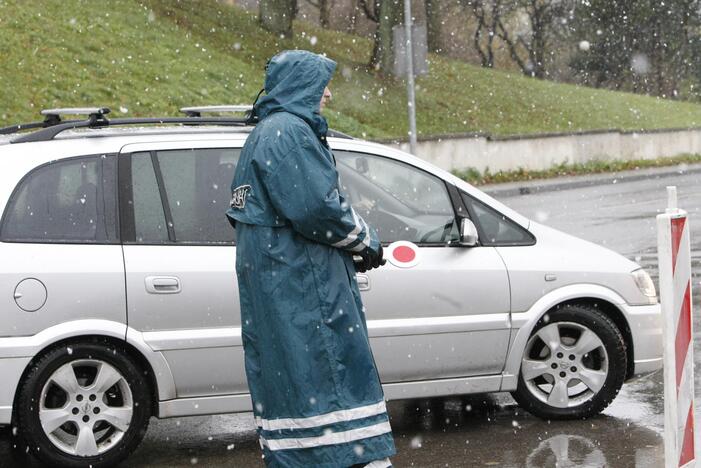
(325, 13)
(538, 45)
(276, 16)
(434, 25)
(353, 20)
(537, 54)
(391, 13)
(488, 20)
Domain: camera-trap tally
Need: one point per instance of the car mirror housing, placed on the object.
(468, 233)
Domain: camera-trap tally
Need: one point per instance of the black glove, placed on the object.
(378, 260)
(367, 260)
(362, 263)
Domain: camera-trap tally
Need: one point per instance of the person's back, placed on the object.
(316, 393)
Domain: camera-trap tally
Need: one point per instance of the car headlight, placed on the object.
(645, 283)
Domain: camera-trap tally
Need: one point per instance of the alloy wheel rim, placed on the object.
(565, 364)
(86, 407)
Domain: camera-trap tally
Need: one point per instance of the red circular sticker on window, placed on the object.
(402, 254)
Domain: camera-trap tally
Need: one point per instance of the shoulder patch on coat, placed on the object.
(238, 196)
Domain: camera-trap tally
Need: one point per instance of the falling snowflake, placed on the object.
(416, 442)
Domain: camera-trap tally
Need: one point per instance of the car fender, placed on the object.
(30, 346)
(522, 323)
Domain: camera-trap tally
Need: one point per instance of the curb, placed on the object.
(512, 189)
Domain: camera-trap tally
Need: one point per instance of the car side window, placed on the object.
(494, 228)
(197, 183)
(71, 201)
(400, 201)
(181, 196)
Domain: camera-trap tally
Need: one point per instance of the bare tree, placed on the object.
(527, 28)
(545, 22)
(324, 7)
(387, 14)
(370, 12)
(435, 21)
(488, 14)
(276, 15)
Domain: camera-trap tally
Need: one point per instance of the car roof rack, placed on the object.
(52, 124)
(55, 114)
(198, 111)
(53, 117)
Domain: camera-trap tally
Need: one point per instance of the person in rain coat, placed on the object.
(317, 398)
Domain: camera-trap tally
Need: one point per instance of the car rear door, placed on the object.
(444, 313)
(179, 257)
(61, 258)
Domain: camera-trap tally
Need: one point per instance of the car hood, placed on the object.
(558, 260)
(579, 254)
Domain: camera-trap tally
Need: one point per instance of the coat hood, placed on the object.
(294, 83)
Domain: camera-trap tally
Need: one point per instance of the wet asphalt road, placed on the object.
(494, 431)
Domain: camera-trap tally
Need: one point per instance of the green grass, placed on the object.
(151, 57)
(475, 177)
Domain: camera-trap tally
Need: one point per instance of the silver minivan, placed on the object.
(119, 298)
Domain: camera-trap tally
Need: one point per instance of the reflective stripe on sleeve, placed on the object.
(353, 235)
(332, 438)
(366, 239)
(384, 463)
(322, 419)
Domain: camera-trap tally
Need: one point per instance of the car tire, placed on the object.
(574, 364)
(84, 404)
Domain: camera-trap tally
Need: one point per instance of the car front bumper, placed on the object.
(646, 329)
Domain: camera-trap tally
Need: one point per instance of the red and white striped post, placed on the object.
(674, 256)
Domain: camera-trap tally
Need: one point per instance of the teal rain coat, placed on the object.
(316, 392)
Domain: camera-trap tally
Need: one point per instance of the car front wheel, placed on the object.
(83, 404)
(574, 364)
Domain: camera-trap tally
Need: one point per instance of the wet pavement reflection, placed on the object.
(481, 430)
(494, 432)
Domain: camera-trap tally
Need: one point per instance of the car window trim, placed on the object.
(126, 209)
(114, 189)
(459, 205)
(15, 193)
(170, 226)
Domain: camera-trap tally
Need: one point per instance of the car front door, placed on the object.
(445, 313)
(179, 258)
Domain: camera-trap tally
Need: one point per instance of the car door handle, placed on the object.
(162, 284)
(363, 281)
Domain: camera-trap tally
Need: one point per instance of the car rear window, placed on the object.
(71, 201)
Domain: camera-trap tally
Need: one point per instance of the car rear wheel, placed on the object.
(84, 404)
(574, 364)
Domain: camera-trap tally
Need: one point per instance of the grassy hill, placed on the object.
(151, 57)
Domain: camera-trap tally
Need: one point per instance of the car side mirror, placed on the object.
(468, 233)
